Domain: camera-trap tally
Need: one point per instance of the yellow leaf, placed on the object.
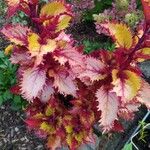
(50, 46)
(53, 9)
(69, 139)
(49, 111)
(79, 137)
(38, 116)
(36, 48)
(121, 33)
(69, 129)
(47, 127)
(64, 22)
(133, 81)
(8, 49)
(33, 43)
(114, 75)
(144, 51)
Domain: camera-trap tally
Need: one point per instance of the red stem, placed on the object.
(137, 47)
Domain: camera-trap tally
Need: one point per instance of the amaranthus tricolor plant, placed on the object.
(68, 91)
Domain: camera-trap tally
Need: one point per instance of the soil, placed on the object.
(13, 133)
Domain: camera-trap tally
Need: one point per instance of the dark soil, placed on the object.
(85, 31)
(13, 133)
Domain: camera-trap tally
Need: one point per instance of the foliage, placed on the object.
(20, 18)
(90, 46)
(70, 91)
(7, 80)
(143, 133)
(100, 6)
(128, 147)
(122, 11)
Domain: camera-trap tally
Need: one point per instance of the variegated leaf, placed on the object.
(16, 33)
(120, 33)
(93, 70)
(32, 82)
(127, 88)
(12, 7)
(53, 9)
(71, 55)
(37, 49)
(64, 21)
(144, 94)
(46, 93)
(108, 105)
(20, 56)
(65, 84)
(143, 54)
(146, 7)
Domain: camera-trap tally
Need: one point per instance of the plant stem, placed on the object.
(137, 47)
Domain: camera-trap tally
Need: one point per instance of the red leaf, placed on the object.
(16, 33)
(117, 126)
(15, 89)
(12, 7)
(146, 7)
(33, 123)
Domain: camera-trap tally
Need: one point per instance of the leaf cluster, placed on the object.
(90, 46)
(7, 80)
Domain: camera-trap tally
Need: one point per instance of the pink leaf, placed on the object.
(144, 94)
(127, 110)
(65, 83)
(108, 105)
(71, 55)
(20, 56)
(16, 33)
(46, 92)
(32, 82)
(93, 69)
(12, 7)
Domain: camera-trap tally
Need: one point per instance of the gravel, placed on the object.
(13, 133)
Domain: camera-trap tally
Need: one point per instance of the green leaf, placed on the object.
(128, 147)
(17, 99)
(1, 100)
(100, 6)
(2, 55)
(7, 95)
